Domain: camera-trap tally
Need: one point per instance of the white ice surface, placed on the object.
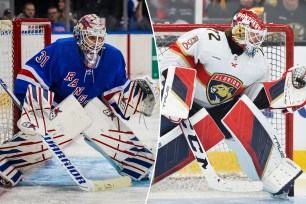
(218, 197)
(49, 183)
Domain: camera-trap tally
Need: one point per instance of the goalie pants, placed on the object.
(217, 113)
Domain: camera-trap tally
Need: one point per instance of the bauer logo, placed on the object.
(107, 112)
(54, 113)
(222, 87)
(122, 105)
(28, 125)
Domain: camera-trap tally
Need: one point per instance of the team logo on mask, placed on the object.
(222, 87)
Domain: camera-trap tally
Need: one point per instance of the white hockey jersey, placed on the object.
(221, 75)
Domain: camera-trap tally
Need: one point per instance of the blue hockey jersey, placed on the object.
(60, 69)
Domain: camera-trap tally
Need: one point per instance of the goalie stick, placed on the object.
(213, 180)
(83, 182)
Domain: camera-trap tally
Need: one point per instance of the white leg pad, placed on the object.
(23, 152)
(259, 143)
(117, 142)
(244, 159)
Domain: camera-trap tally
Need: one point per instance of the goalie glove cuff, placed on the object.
(151, 94)
(139, 96)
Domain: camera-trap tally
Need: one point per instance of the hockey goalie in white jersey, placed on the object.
(226, 74)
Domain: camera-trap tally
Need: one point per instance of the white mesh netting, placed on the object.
(32, 41)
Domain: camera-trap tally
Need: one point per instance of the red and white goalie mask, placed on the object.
(248, 31)
(90, 34)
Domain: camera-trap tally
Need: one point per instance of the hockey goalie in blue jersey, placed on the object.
(92, 71)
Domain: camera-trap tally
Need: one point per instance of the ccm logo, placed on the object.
(195, 144)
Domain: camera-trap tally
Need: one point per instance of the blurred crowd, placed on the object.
(112, 11)
(291, 12)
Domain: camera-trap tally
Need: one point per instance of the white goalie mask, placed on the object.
(90, 34)
(248, 31)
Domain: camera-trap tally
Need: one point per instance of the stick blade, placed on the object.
(112, 184)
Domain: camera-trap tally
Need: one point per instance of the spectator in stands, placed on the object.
(157, 9)
(62, 14)
(138, 16)
(7, 14)
(255, 5)
(172, 11)
(111, 10)
(28, 11)
(227, 8)
(291, 12)
(56, 25)
(181, 11)
(222, 8)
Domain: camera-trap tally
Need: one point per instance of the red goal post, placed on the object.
(279, 51)
(21, 39)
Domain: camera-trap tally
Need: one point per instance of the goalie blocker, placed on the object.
(257, 148)
(178, 92)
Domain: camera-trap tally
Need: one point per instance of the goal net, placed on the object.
(278, 49)
(20, 39)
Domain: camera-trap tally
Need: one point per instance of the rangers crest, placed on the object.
(222, 87)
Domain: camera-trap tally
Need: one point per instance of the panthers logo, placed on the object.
(222, 87)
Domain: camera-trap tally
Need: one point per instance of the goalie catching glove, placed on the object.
(139, 96)
(289, 92)
(295, 90)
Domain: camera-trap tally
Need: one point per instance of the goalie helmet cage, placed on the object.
(278, 48)
(21, 39)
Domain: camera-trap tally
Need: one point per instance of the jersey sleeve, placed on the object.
(121, 82)
(185, 51)
(38, 71)
(121, 78)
